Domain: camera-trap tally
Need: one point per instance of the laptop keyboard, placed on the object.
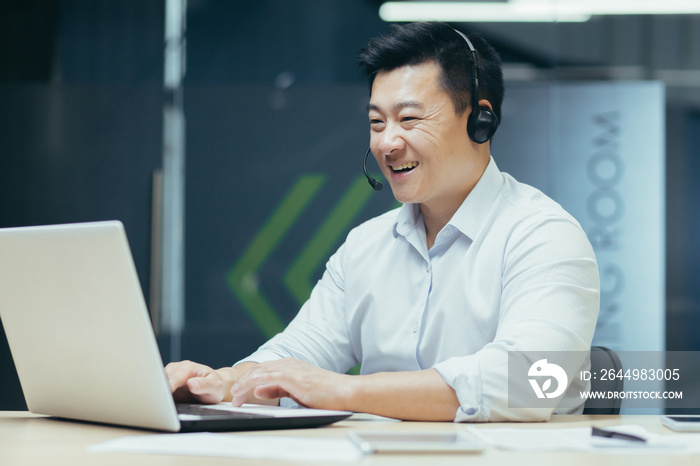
(202, 410)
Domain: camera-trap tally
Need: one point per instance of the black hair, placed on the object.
(422, 42)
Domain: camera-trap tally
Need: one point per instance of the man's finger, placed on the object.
(177, 378)
(270, 392)
(209, 389)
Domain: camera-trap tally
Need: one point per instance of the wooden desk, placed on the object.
(27, 439)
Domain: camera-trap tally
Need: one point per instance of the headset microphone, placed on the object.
(376, 185)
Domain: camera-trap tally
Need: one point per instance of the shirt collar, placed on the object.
(470, 216)
(473, 212)
(409, 219)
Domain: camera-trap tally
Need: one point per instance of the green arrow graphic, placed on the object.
(243, 277)
(298, 277)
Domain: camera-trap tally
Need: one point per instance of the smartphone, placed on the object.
(412, 442)
(682, 423)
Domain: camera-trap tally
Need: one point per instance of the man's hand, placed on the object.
(304, 383)
(196, 383)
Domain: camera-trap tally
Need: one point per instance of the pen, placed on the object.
(596, 432)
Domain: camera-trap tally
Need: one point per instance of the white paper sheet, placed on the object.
(302, 449)
(580, 439)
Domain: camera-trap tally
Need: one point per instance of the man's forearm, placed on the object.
(418, 396)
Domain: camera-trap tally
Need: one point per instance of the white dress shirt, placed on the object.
(510, 271)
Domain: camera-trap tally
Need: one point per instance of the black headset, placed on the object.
(482, 122)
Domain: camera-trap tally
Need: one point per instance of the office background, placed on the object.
(263, 106)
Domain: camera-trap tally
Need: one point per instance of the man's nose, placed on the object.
(391, 139)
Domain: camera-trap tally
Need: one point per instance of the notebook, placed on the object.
(82, 341)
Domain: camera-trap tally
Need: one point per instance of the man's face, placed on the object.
(419, 141)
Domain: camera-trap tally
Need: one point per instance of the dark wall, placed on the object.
(252, 42)
(80, 111)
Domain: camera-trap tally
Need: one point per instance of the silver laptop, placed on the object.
(81, 338)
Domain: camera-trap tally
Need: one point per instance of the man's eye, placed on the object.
(375, 122)
(408, 118)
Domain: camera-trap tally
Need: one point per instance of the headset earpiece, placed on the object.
(482, 124)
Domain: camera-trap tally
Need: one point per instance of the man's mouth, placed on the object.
(404, 168)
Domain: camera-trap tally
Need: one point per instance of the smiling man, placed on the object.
(431, 297)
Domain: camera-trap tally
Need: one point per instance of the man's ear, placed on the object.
(485, 103)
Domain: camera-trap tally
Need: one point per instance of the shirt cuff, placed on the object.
(463, 375)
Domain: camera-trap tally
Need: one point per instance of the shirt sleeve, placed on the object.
(318, 334)
(549, 302)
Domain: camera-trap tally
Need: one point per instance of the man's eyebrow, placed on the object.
(398, 106)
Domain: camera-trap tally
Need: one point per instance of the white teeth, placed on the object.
(404, 166)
